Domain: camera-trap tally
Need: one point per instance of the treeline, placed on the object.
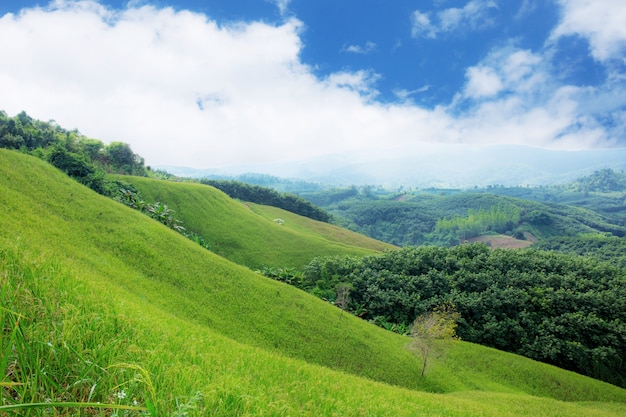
(501, 218)
(562, 309)
(603, 181)
(269, 197)
(84, 159)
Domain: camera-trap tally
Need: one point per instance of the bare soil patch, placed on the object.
(504, 241)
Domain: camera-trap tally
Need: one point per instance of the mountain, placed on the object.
(105, 310)
(443, 166)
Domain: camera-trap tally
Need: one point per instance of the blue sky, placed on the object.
(219, 83)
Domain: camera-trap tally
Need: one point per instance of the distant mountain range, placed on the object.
(444, 166)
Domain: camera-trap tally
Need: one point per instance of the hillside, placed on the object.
(416, 218)
(112, 306)
(247, 233)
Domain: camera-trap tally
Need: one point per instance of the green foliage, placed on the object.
(599, 246)
(445, 217)
(269, 197)
(82, 158)
(603, 191)
(123, 160)
(560, 309)
(500, 218)
(52, 353)
(432, 331)
(604, 181)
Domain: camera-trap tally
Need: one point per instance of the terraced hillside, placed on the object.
(104, 307)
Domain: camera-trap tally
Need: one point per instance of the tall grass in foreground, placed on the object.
(54, 354)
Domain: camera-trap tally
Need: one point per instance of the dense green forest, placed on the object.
(599, 246)
(603, 191)
(562, 309)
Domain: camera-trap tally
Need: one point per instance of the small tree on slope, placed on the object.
(432, 332)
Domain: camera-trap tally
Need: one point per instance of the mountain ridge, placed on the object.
(442, 166)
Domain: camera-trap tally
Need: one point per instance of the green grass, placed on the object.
(246, 233)
(110, 300)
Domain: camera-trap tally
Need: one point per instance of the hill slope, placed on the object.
(412, 218)
(243, 234)
(113, 291)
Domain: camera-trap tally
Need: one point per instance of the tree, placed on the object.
(343, 296)
(123, 159)
(432, 332)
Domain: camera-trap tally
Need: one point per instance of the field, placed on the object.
(107, 312)
(504, 241)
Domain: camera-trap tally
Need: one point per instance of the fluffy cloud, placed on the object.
(507, 69)
(183, 89)
(482, 82)
(603, 23)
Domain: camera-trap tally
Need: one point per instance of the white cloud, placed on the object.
(421, 25)
(482, 82)
(404, 94)
(507, 70)
(360, 49)
(185, 90)
(283, 6)
(603, 23)
(473, 16)
(526, 9)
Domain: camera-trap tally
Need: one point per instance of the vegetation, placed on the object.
(604, 191)
(88, 276)
(560, 309)
(432, 331)
(610, 249)
(449, 217)
(246, 233)
(269, 197)
(498, 218)
(82, 158)
(87, 330)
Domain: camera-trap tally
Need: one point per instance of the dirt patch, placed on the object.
(505, 242)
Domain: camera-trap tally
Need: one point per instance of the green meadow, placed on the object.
(250, 234)
(105, 311)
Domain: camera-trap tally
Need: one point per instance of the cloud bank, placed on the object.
(184, 89)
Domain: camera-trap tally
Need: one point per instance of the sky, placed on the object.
(217, 83)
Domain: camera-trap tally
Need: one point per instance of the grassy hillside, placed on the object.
(246, 233)
(102, 304)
